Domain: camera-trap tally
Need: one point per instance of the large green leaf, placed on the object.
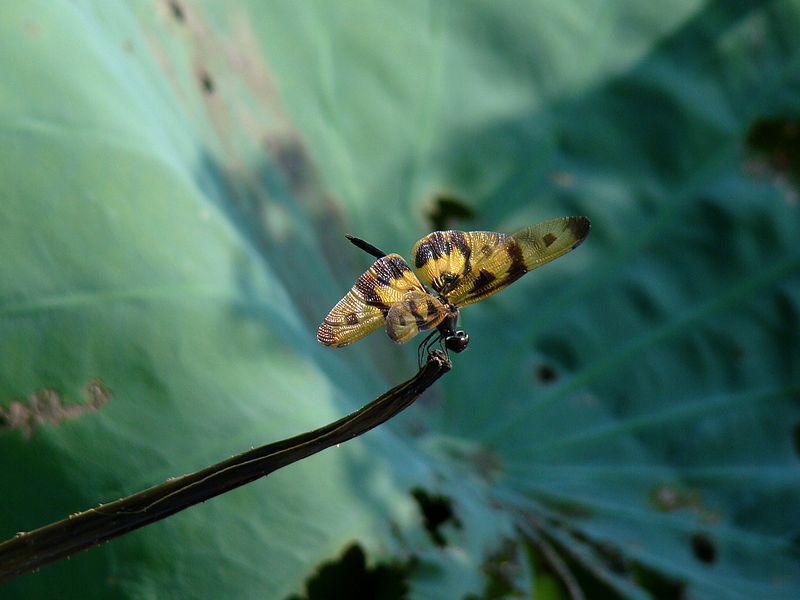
(177, 178)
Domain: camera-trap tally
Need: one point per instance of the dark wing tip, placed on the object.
(579, 226)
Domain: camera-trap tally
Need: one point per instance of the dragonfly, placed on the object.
(453, 269)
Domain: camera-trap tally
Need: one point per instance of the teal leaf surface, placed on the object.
(177, 179)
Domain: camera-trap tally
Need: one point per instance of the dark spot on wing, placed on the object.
(418, 318)
(365, 286)
(384, 276)
(549, 238)
(459, 242)
(423, 255)
(579, 226)
(351, 318)
(440, 245)
(436, 245)
(431, 308)
(398, 265)
(517, 266)
(389, 268)
(484, 278)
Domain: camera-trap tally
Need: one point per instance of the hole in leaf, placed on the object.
(777, 141)
(546, 373)
(446, 210)
(704, 548)
(436, 511)
(350, 577)
(177, 11)
(206, 82)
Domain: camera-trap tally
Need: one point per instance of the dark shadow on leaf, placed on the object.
(350, 577)
(437, 510)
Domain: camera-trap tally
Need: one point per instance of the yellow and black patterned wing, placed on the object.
(416, 312)
(467, 266)
(364, 308)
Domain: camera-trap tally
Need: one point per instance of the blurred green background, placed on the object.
(176, 179)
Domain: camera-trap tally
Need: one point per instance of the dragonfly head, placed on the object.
(457, 341)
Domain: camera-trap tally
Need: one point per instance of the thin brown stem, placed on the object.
(34, 549)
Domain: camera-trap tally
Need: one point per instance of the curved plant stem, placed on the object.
(34, 549)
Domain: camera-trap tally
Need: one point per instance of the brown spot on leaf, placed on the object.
(206, 82)
(33, 29)
(351, 318)
(548, 239)
(668, 497)
(563, 179)
(546, 373)
(703, 548)
(177, 10)
(45, 407)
